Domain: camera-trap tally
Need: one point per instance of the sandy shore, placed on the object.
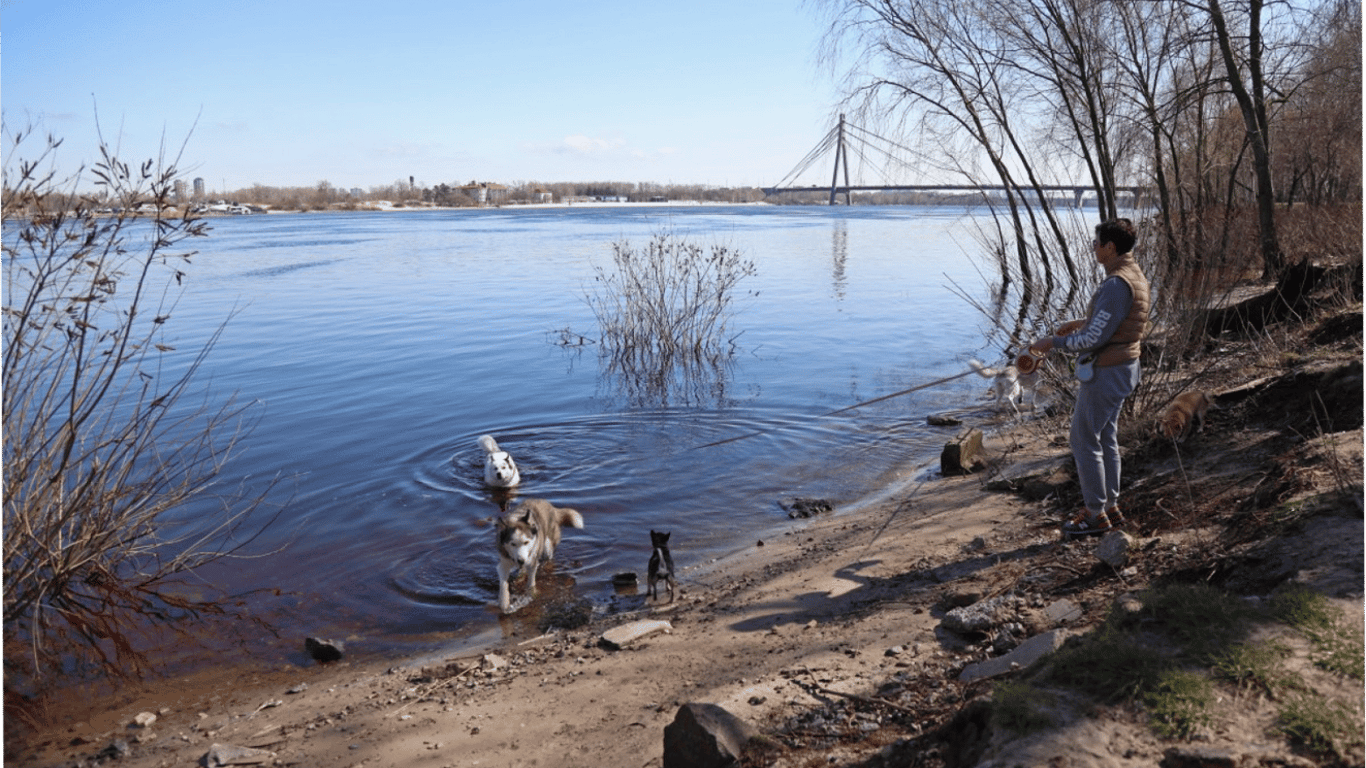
(741, 627)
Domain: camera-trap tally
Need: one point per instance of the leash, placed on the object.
(916, 388)
(903, 505)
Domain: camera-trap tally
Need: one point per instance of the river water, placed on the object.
(378, 346)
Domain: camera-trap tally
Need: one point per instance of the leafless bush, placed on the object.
(664, 315)
(106, 440)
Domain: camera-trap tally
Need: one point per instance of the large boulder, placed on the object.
(705, 736)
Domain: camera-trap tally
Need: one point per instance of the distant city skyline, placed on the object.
(712, 92)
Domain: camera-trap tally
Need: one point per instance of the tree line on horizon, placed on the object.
(325, 196)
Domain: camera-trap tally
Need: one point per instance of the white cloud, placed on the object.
(586, 145)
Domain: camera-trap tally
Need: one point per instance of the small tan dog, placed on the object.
(528, 535)
(1185, 416)
(1009, 384)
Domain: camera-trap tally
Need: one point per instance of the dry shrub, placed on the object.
(664, 315)
(106, 438)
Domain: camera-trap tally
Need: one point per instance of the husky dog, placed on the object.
(500, 471)
(1185, 416)
(661, 565)
(1008, 384)
(528, 535)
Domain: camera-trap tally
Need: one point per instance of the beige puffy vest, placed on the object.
(1127, 343)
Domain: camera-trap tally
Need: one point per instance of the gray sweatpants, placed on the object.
(1095, 433)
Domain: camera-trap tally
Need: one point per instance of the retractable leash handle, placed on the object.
(1027, 363)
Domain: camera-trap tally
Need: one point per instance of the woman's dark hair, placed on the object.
(1121, 232)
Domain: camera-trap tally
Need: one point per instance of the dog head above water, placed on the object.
(500, 471)
(517, 537)
(658, 539)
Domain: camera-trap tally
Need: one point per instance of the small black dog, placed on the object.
(661, 565)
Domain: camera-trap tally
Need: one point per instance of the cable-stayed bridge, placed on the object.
(878, 153)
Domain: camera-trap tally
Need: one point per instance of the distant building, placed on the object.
(542, 196)
(199, 186)
(357, 191)
(180, 190)
(485, 193)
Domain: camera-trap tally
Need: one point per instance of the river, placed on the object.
(376, 348)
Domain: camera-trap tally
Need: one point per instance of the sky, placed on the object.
(291, 93)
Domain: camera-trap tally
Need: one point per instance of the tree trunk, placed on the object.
(1252, 104)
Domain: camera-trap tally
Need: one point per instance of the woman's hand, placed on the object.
(1071, 326)
(1042, 346)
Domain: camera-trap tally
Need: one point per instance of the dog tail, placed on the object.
(982, 369)
(570, 517)
(489, 444)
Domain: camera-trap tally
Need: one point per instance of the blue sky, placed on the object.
(293, 92)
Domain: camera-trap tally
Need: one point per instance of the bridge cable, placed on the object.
(815, 154)
(865, 149)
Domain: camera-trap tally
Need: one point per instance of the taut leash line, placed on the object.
(916, 388)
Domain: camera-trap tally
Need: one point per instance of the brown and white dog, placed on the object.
(1186, 415)
(527, 536)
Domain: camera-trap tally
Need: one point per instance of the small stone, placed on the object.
(117, 750)
(323, 651)
(1062, 611)
(227, 754)
(617, 637)
(1023, 655)
(1113, 549)
(981, 616)
(144, 719)
(798, 508)
(1199, 756)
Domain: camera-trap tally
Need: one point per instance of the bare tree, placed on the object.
(1251, 94)
(106, 438)
(1317, 150)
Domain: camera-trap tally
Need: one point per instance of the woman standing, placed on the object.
(1108, 343)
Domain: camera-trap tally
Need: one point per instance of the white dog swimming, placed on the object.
(1008, 384)
(528, 535)
(500, 471)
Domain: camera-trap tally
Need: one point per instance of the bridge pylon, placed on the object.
(841, 153)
